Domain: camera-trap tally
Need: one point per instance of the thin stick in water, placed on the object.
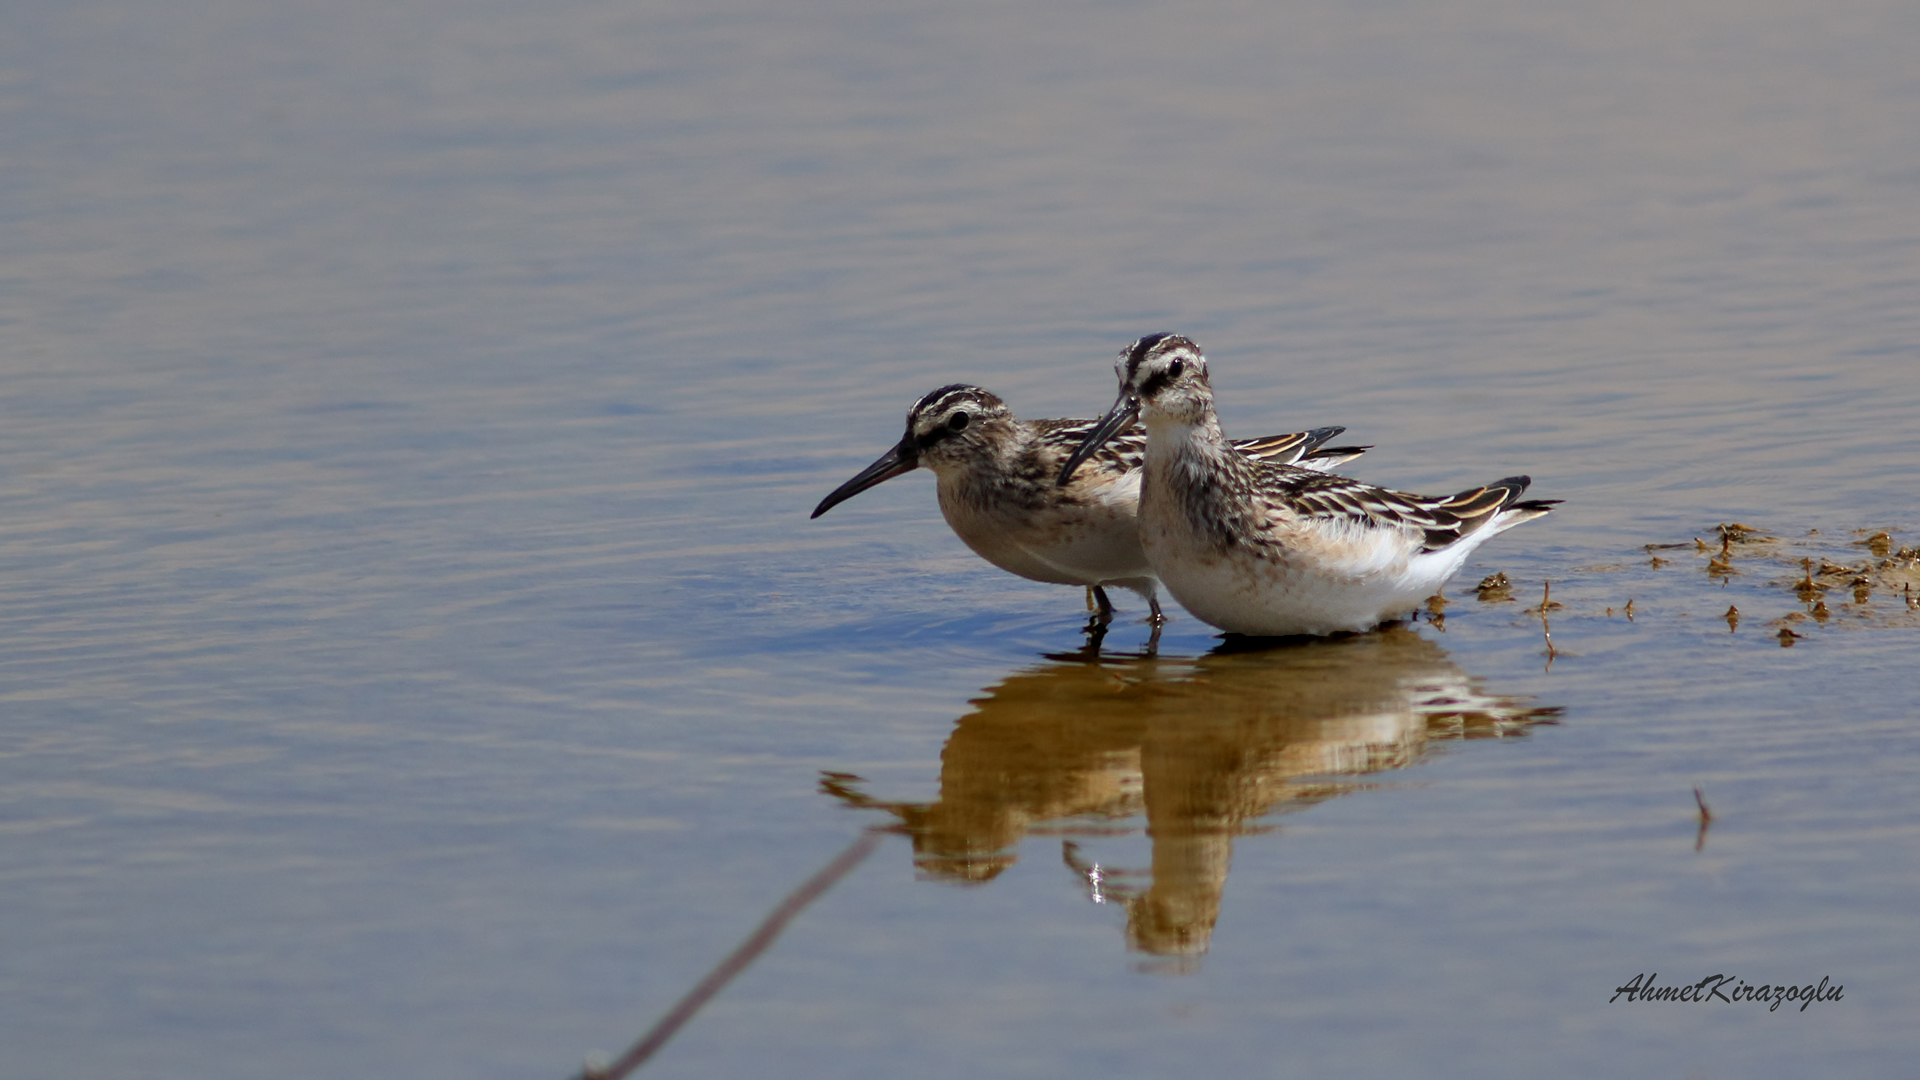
(738, 960)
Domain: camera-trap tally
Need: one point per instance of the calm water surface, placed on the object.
(416, 658)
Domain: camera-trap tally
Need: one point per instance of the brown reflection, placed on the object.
(1204, 747)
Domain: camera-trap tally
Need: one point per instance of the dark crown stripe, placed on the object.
(939, 397)
(1138, 352)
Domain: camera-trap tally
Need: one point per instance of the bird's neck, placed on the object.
(1170, 437)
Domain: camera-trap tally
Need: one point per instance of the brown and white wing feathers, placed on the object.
(1440, 520)
(1128, 449)
(1300, 447)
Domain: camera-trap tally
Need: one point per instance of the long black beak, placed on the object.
(895, 462)
(1124, 412)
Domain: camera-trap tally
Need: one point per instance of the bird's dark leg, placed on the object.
(1096, 633)
(1102, 608)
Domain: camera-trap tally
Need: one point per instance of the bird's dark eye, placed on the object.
(957, 422)
(1176, 367)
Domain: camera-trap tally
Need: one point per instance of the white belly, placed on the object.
(1270, 599)
(1296, 593)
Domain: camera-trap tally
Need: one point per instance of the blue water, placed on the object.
(416, 659)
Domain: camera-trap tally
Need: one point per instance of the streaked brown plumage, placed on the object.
(996, 481)
(1259, 547)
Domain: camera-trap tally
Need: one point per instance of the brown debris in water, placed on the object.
(1808, 589)
(1547, 602)
(1880, 543)
(1835, 583)
(1494, 588)
(1706, 820)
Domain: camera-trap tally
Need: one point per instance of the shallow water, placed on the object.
(418, 660)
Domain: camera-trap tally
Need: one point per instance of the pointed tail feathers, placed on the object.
(1495, 507)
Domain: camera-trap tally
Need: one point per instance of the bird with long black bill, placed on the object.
(1267, 548)
(996, 484)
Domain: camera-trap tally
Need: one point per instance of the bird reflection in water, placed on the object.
(1205, 748)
